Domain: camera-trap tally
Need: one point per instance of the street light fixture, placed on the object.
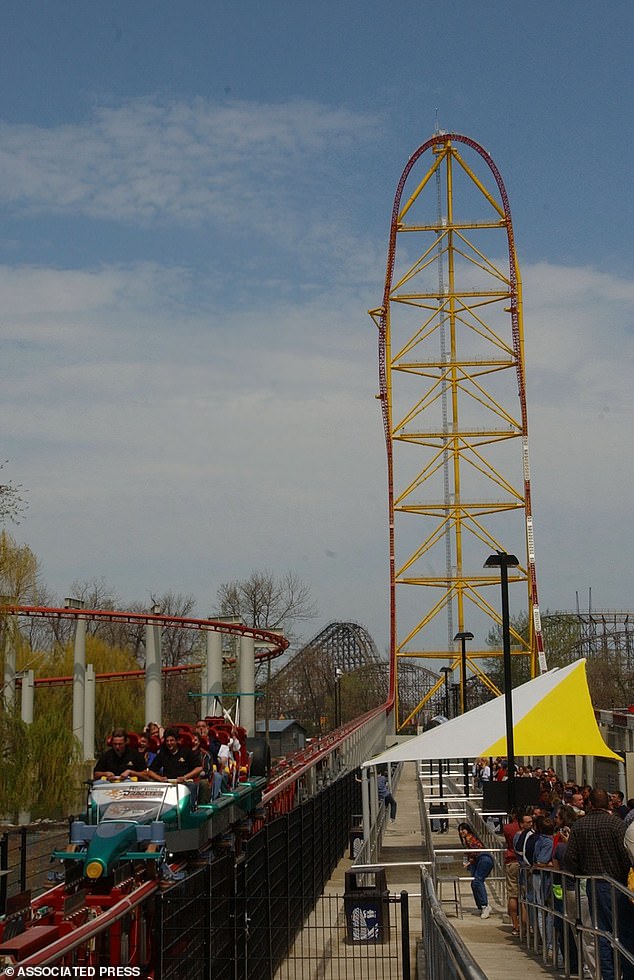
(338, 675)
(463, 637)
(503, 561)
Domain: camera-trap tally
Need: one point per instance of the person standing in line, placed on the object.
(385, 797)
(596, 847)
(512, 870)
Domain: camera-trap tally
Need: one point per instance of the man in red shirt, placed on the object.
(511, 866)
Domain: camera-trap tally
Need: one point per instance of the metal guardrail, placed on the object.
(446, 956)
(467, 810)
(369, 851)
(313, 768)
(565, 932)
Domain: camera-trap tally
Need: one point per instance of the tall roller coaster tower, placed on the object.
(453, 398)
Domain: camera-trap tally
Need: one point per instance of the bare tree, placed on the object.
(178, 645)
(268, 602)
(95, 593)
(11, 503)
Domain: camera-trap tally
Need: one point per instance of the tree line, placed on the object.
(44, 751)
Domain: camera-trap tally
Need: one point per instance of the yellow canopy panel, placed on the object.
(552, 715)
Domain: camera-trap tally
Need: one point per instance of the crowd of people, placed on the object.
(573, 832)
(199, 755)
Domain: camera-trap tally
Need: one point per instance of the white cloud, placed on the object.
(165, 449)
(146, 161)
(580, 352)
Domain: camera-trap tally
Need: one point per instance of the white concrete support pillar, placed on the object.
(28, 693)
(79, 679)
(247, 684)
(214, 669)
(202, 708)
(89, 714)
(153, 676)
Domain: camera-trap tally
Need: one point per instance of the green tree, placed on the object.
(117, 702)
(16, 775)
(562, 633)
(19, 584)
(40, 771)
(19, 571)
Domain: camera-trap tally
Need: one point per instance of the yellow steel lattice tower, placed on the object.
(452, 390)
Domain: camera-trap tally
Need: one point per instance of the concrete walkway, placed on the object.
(497, 952)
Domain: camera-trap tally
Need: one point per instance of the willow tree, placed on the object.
(118, 700)
(16, 775)
(19, 581)
(39, 767)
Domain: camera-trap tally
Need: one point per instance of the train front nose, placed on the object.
(112, 838)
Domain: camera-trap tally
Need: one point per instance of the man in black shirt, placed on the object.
(173, 761)
(596, 847)
(120, 761)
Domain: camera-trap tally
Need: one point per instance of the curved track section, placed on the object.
(278, 643)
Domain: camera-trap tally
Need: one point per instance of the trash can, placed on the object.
(367, 906)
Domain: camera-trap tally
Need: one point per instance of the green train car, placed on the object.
(152, 824)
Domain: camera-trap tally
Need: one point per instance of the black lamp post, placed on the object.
(446, 671)
(503, 561)
(463, 637)
(338, 676)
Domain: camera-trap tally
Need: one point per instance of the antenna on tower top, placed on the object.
(437, 130)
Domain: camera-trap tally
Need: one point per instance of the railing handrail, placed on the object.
(437, 927)
(584, 929)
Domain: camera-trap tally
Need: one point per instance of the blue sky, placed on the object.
(195, 201)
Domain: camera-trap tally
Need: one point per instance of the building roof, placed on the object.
(276, 726)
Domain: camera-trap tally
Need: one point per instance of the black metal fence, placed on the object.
(24, 859)
(239, 919)
(217, 940)
(330, 944)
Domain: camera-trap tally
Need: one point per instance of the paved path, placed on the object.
(322, 949)
(498, 953)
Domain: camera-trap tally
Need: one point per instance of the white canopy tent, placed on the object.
(552, 715)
